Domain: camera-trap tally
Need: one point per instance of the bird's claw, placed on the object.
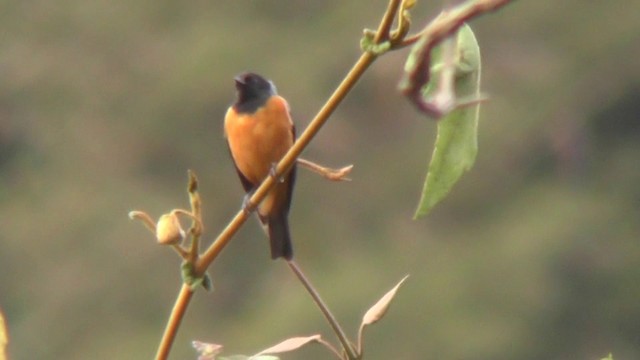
(273, 172)
(247, 206)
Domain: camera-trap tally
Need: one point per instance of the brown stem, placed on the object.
(177, 314)
(184, 254)
(346, 345)
(387, 21)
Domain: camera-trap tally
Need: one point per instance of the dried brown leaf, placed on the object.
(291, 344)
(377, 311)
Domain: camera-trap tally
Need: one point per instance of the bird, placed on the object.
(259, 132)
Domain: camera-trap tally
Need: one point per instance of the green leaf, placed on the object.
(456, 143)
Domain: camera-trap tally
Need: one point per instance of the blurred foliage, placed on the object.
(104, 105)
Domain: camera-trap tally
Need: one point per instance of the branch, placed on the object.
(346, 345)
(177, 314)
(384, 29)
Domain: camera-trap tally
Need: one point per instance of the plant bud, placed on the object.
(168, 230)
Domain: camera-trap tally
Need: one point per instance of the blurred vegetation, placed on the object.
(104, 105)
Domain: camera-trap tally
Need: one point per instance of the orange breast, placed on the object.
(259, 140)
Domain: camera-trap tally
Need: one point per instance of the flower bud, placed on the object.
(168, 230)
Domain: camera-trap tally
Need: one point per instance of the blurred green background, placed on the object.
(104, 105)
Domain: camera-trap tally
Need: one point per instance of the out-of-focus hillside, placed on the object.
(104, 105)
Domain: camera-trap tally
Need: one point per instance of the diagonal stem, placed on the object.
(177, 314)
(346, 345)
(387, 21)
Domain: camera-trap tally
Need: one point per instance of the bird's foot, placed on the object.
(273, 172)
(247, 206)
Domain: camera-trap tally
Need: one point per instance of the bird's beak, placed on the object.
(239, 82)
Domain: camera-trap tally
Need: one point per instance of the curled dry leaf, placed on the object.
(145, 218)
(291, 344)
(377, 311)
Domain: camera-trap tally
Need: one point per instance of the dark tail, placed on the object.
(279, 237)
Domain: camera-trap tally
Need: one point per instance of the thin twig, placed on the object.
(348, 348)
(384, 29)
(184, 254)
(360, 339)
